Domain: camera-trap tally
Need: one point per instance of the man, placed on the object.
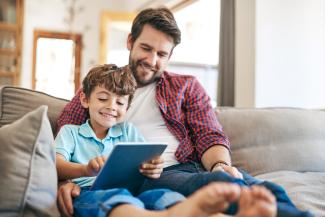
(175, 109)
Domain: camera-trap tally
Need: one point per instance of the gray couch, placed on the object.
(283, 145)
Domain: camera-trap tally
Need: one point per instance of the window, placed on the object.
(198, 53)
(115, 29)
(56, 64)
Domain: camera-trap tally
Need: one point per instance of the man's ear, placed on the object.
(171, 53)
(130, 42)
(83, 100)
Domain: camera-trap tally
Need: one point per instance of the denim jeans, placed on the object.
(99, 203)
(188, 177)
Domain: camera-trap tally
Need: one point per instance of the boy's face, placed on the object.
(105, 108)
(149, 54)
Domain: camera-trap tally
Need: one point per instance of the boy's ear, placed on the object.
(83, 100)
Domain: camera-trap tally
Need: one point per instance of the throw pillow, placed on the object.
(28, 182)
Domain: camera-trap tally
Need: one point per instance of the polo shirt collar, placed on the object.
(86, 131)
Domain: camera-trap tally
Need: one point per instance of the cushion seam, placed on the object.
(30, 169)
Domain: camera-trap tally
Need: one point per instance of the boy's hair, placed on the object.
(161, 19)
(118, 80)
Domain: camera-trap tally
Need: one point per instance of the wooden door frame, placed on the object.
(107, 17)
(77, 38)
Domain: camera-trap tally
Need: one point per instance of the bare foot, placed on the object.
(256, 202)
(211, 199)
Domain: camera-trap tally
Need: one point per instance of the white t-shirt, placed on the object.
(145, 115)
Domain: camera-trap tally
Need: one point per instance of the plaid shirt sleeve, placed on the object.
(204, 127)
(73, 113)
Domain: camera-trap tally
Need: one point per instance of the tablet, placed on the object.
(121, 169)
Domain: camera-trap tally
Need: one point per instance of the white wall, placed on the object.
(290, 53)
(289, 68)
(49, 15)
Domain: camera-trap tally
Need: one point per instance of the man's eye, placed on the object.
(163, 55)
(146, 48)
(102, 99)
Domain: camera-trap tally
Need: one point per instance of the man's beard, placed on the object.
(141, 82)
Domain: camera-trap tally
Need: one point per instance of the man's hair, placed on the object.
(161, 19)
(118, 80)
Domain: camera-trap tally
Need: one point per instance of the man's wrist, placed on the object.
(218, 164)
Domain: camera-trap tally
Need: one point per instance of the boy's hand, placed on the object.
(66, 192)
(152, 168)
(94, 166)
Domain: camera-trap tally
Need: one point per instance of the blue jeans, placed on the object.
(99, 203)
(188, 177)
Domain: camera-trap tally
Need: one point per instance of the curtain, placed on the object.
(226, 78)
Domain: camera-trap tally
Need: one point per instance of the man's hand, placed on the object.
(233, 171)
(94, 166)
(152, 168)
(66, 192)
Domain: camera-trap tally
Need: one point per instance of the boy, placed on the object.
(82, 150)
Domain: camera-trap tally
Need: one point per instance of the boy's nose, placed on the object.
(111, 105)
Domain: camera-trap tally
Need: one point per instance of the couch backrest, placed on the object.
(265, 140)
(15, 102)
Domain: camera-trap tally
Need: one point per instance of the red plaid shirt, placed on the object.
(186, 110)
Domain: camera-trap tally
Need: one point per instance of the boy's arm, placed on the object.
(68, 170)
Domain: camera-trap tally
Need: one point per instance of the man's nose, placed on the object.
(152, 59)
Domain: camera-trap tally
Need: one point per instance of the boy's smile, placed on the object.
(105, 109)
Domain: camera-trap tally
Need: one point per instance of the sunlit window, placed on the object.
(198, 53)
(199, 23)
(55, 64)
(117, 52)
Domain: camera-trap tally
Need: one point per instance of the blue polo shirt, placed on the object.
(79, 144)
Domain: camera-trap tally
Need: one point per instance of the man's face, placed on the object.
(149, 54)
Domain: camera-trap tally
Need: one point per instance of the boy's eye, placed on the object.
(120, 103)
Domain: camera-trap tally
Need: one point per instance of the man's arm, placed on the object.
(73, 113)
(217, 158)
(212, 144)
(215, 155)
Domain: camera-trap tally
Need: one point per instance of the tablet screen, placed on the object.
(121, 169)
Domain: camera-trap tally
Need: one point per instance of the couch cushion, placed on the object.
(305, 189)
(28, 182)
(266, 140)
(15, 102)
